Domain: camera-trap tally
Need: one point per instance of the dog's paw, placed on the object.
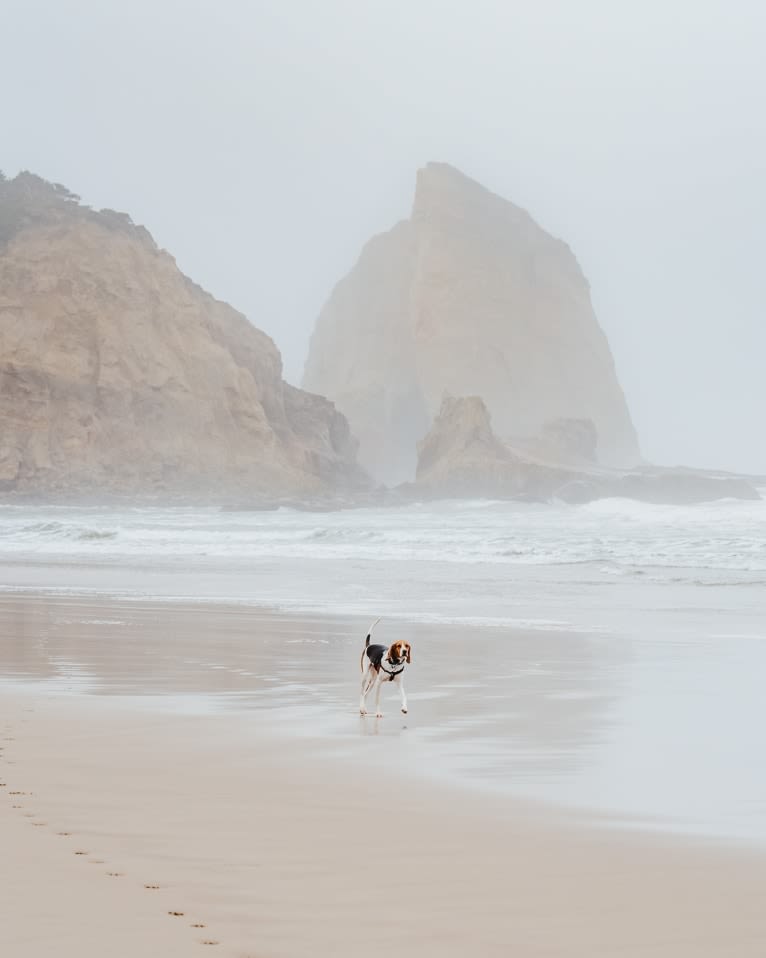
(362, 711)
(404, 711)
(378, 715)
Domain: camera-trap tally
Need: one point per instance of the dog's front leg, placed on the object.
(404, 695)
(378, 687)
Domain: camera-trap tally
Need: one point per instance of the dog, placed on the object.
(381, 664)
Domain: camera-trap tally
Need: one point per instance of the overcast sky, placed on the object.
(263, 143)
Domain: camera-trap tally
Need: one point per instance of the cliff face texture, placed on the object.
(120, 375)
(470, 296)
(462, 457)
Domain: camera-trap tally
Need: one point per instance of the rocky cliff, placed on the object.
(120, 375)
(462, 457)
(470, 296)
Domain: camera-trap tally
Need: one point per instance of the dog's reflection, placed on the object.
(369, 725)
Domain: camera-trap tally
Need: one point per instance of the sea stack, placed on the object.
(469, 296)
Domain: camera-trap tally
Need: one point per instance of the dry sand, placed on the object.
(267, 846)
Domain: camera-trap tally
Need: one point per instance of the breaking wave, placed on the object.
(54, 530)
(619, 536)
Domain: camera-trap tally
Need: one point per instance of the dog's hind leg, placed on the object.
(367, 679)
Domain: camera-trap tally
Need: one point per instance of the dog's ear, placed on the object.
(409, 652)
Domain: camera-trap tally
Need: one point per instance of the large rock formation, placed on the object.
(462, 457)
(471, 296)
(120, 375)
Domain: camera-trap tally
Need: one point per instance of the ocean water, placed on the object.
(728, 535)
(614, 564)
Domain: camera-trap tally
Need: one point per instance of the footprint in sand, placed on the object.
(209, 941)
(176, 914)
(81, 853)
(64, 834)
(39, 824)
(17, 806)
(115, 874)
(94, 861)
(152, 887)
(198, 924)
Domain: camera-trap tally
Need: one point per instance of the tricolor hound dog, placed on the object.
(383, 664)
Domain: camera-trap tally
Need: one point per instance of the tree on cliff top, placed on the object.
(28, 200)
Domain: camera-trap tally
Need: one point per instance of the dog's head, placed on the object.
(400, 652)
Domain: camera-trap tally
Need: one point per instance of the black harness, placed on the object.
(392, 674)
(375, 654)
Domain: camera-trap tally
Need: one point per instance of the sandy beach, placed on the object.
(268, 834)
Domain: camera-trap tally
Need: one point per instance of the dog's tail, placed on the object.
(367, 642)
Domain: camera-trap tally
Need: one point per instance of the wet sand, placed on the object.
(213, 752)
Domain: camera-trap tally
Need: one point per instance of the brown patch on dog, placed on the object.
(399, 651)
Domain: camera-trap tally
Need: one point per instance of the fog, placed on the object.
(264, 143)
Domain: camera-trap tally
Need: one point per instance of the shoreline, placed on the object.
(592, 597)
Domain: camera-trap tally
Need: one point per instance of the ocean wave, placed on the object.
(617, 536)
(53, 530)
(341, 535)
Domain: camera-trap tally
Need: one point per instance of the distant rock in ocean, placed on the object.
(472, 297)
(120, 375)
(461, 457)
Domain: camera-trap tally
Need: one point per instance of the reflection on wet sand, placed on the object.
(650, 732)
(493, 704)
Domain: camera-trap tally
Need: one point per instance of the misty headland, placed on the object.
(460, 357)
